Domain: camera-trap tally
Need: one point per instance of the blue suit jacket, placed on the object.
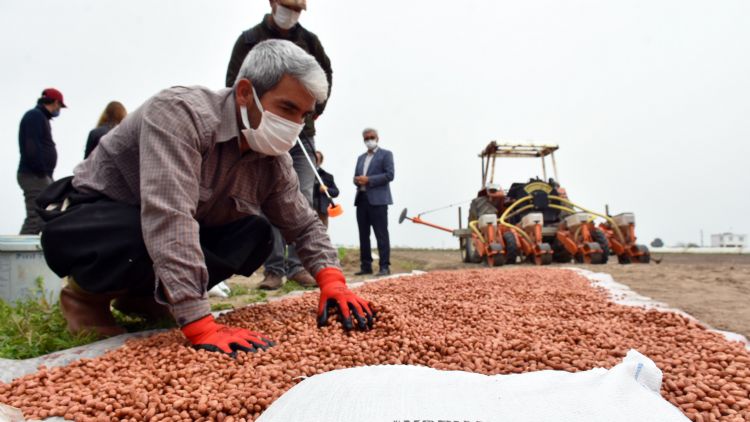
(380, 174)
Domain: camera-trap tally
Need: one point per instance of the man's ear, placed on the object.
(244, 92)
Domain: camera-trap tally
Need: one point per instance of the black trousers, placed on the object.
(375, 216)
(32, 185)
(100, 244)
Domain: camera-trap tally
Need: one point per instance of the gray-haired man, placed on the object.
(171, 204)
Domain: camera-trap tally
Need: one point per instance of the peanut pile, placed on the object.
(486, 321)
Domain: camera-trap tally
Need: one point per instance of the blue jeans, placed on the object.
(277, 263)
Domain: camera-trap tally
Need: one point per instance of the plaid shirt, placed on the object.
(178, 157)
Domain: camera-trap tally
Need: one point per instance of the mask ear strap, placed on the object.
(257, 101)
(243, 110)
(245, 118)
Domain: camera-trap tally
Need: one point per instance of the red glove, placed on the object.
(205, 333)
(334, 293)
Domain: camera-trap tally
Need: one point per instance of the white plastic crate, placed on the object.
(21, 263)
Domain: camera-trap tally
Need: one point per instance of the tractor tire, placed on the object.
(470, 252)
(646, 257)
(623, 259)
(462, 248)
(511, 248)
(599, 237)
(496, 260)
(598, 258)
(495, 255)
(596, 255)
(559, 253)
(546, 257)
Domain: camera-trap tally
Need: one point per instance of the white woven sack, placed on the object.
(629, 392)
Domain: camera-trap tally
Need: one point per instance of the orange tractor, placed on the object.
(536, 222)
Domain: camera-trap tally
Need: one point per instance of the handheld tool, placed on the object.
(334, 210)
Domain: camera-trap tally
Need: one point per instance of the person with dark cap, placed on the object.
(38, 154)
(282, 23)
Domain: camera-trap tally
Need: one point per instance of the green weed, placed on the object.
(238, 290)
(342, 253)
(291, 286)
(33, 327)
(256, 296)
(221, 306)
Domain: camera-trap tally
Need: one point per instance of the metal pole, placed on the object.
(484, 172)
(554, 167)
(312, 166)
(492, 174)
(544, 169)
(459, 218)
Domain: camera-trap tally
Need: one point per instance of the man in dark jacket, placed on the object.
(38, 154)
(372, 176)
(282, 23)
(320, 199)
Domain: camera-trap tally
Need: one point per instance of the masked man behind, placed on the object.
(171, 204)
(282, 23)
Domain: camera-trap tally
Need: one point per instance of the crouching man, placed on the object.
(172, 202)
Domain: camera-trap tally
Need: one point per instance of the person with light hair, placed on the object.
(111, 117)
(182, 194)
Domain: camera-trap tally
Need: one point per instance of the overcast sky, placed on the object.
(648, 100)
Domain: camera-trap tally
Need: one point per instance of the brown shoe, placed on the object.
(145, 307)
(271, 282)
(88, 312)
(304, 279)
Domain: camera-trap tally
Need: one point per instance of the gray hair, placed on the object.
(369, 129)
(270, 60)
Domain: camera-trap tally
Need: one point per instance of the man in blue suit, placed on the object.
(372, 176)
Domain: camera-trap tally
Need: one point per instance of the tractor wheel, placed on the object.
(623, 259)
(596, 254)
(546, 257)
(646, 257)
(599, 237)
(496, 260)
(470, 252)
(598, 257)
(559, 253)
(511, 248)
(462, 241)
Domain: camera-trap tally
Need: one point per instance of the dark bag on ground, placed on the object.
(59, 196)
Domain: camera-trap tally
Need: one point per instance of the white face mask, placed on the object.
(285, 17)
(371, 144)
(274, 136)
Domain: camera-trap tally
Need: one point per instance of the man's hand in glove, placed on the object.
(205, 333)
(335, 294)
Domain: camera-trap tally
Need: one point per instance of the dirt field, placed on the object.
(713, 288)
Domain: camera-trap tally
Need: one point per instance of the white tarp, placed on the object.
(629, 392)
